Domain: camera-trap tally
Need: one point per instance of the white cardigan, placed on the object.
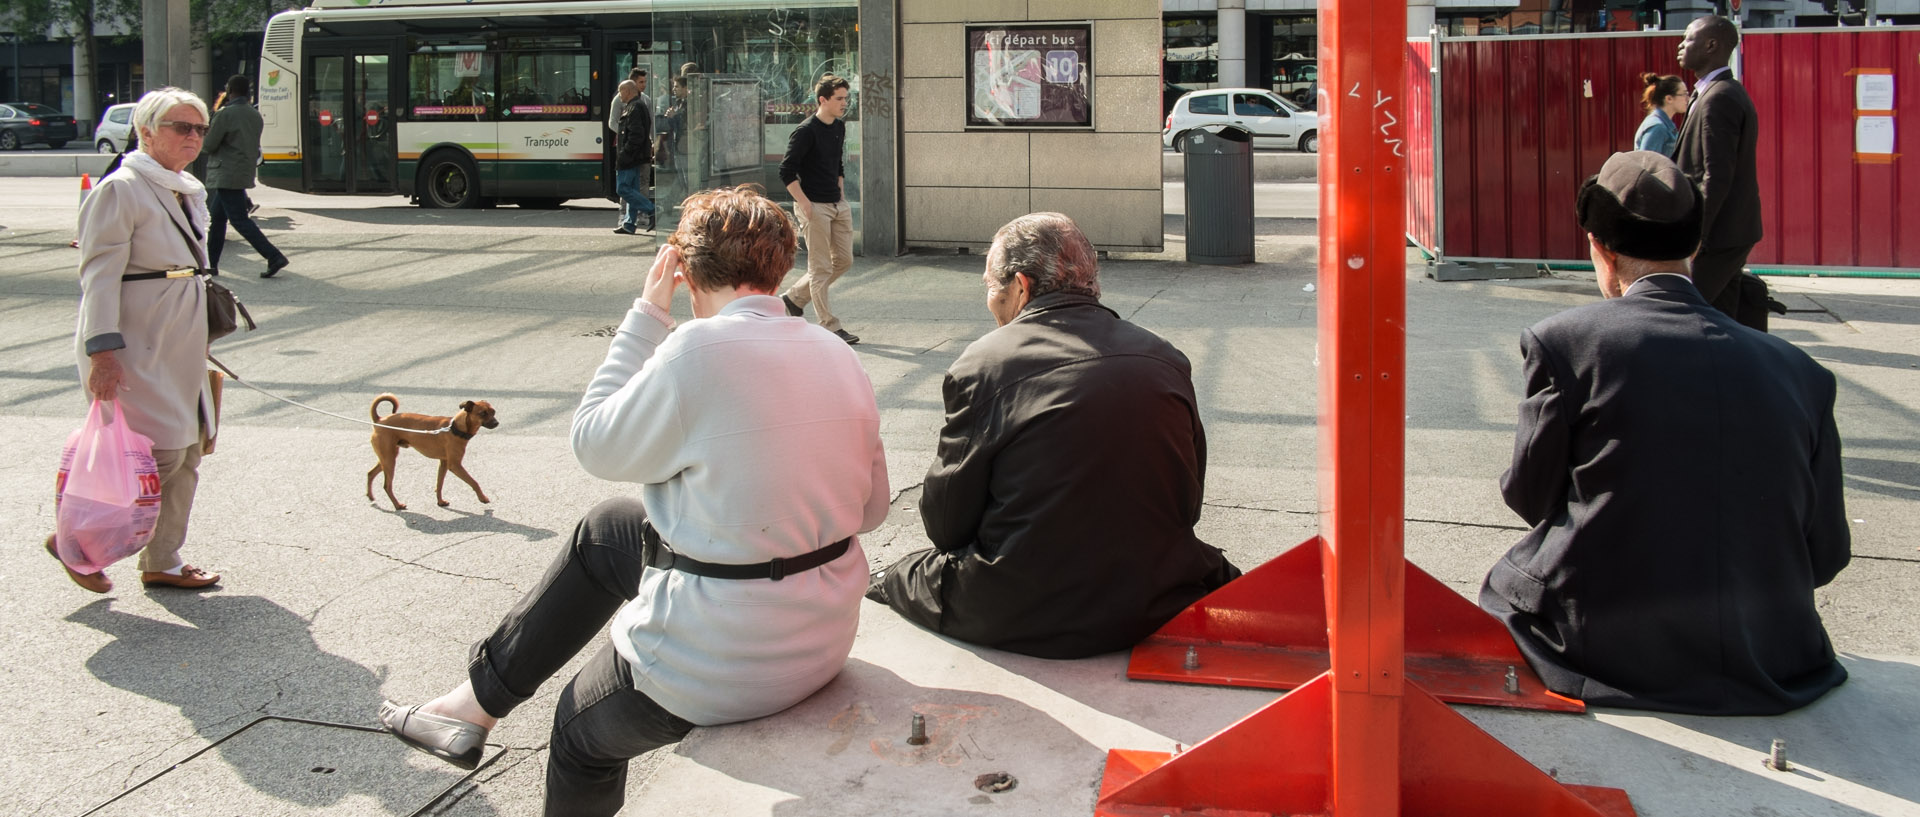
(159, 327)
(754, 435)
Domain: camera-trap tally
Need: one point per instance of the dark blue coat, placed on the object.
(1682, 476)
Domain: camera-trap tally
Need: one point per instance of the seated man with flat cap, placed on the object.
(1070, 472)
(1682, 476)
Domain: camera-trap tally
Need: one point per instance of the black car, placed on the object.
(28, 123)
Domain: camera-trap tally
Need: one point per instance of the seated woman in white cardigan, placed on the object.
(734, 581)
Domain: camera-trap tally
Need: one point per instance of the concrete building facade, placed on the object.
(957, 184)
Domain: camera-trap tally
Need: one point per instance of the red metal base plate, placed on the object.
(1277, 761)
(1268, 629)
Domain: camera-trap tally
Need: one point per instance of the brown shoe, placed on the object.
(190, 578)
(95, 582)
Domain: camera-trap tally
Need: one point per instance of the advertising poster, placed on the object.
(1030, 76)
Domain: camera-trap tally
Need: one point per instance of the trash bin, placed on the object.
(1219, 196)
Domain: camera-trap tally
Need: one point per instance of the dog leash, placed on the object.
(446, 429)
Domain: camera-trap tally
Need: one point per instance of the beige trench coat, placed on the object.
(125, 227)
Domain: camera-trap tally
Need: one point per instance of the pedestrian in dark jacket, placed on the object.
(1682, 476)
(632, 152)
(1070, 472)
(232, 152)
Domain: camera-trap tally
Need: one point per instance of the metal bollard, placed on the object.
(1777, 757)
(917, 736)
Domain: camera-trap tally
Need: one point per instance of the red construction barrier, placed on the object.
(1522, 120)
(1423, 212)
(1821, 205)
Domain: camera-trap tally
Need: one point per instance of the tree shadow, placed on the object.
(239, 657)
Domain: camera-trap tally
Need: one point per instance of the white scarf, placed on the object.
(171, 181)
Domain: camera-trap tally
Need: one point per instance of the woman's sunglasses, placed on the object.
(184, 128)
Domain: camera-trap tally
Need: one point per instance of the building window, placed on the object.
(1295, 70)
(1192, 52)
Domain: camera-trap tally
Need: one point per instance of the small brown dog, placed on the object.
(448, 446)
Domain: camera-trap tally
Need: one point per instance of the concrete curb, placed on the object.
(57, 164)
(1268, 166)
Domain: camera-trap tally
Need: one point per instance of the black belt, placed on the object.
(662, 556)
(173, 273)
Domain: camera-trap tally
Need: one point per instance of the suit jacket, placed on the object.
(1062, 502)
(1682, 476)
(1717, 146)
(232, 146)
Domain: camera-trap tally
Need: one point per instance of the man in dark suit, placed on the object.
(1717, 153)
(1071, 469)
(1682, 476)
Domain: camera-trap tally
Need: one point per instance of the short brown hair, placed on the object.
(828, 84)
(735, 236)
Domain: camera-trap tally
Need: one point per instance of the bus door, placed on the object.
(347, 120)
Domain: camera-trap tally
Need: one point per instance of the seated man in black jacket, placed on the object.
(1682, 476)
(1069, 477)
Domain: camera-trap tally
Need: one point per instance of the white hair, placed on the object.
(147, 113)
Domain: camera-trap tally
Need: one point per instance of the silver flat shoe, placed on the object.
(454, 741)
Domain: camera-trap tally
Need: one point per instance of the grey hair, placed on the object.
(1050, 249)
(147, 113)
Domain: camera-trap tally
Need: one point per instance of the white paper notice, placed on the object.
(1873, 134)
(1873, 92)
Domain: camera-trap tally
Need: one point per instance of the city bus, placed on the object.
(469, 103)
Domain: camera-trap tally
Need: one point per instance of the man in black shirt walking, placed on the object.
(815, 173)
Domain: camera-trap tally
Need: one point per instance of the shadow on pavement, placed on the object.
(466, 522)
(238, 657)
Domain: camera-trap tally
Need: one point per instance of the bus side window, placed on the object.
(450, 85)
(546, 85)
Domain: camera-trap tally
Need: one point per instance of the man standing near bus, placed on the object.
(618, 106)
(633, 151)
(816, 174)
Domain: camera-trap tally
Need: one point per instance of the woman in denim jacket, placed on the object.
(1664, 98)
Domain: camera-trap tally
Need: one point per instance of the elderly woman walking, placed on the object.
(142, 334)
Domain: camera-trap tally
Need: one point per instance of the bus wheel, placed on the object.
(450, 182)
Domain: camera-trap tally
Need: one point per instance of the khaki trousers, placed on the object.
(829, 235)
(179, 477)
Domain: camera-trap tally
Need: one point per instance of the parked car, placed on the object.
(116, 129)
(1273, 121)
(27, 123)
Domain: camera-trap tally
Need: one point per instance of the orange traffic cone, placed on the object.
(86, 186)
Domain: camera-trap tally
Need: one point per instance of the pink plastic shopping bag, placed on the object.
(107, 495)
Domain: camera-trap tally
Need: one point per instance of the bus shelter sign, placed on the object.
(1030, 76)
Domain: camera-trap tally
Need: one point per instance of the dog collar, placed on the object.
(455, 431)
